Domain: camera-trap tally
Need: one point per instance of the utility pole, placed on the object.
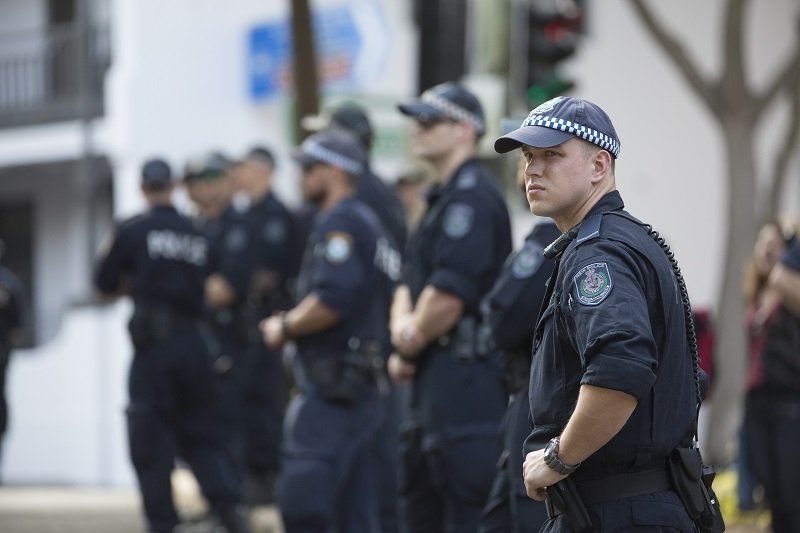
(306, 78)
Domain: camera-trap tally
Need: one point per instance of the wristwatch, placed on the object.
(552, 460)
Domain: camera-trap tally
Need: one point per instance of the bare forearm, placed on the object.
(310, 316)
(401, 304)
(599, 415)
(437, 312)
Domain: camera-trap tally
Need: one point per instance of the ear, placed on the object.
(601, 165)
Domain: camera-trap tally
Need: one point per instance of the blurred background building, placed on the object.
(89, 89)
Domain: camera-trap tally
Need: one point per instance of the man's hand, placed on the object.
(272, 332)
(538, 476)
(400, 370)
(406, 336)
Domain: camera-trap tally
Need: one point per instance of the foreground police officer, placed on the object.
(340, 327)
(613, 384)
(508, 326)
(264, 386)
(458, 397)
(160, 260)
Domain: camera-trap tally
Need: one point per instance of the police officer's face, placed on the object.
(769, 248)
(314, 183)
(433, 139)
(558, 179)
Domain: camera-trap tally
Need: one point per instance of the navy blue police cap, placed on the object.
(447, 101)
(560, 119)
(348, 116)
(335, 147)
(156, 174)
(210, 166)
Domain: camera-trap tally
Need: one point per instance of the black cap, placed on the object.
(156, 175)
(447, 101)
(348, 116)
(262, 155)
(334, 147)
(560, 119)
(212, 165)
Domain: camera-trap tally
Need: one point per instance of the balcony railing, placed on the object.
(52, 74)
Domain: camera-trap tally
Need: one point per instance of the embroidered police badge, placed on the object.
(338, 247)
(458, 220)
(274, 232)
(547, 106)
(527, 261)
(593, 283)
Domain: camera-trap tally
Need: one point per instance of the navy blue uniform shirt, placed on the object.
(352, 266)
(230, 249)
(615, 320)
(463, 239)
(12, 298)
(511, 306)
(374, 192)
(163, 256)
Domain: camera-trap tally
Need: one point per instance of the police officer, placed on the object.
(508, 326)
(12, 302)
(160, 260)
(372, 189)
(613, 388)
(209, 186)
(264, 387)
(458, 397)
(340, 327)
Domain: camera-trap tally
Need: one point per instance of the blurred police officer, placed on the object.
(264, 386)
(340, 327)
(209, 186)
(160, 260)
(449, 436)
(372, 189)
(509, 312)
(613, 387)
(12, 302)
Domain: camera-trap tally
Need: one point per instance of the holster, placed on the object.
(564, 498)
(692, 481)
(150, 326)
(466, 341)
(342, 379)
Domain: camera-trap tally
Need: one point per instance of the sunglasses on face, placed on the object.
(426, 123)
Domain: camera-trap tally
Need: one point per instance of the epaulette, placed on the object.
(590, 229)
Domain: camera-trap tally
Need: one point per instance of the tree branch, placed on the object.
(780, 174)
(733, 67)
(781, 81)
(678, 55)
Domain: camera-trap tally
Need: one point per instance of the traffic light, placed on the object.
(554, 31)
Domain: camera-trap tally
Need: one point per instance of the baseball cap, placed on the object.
(156, 174)
(261, 154)
(448, 100)
(558, 120)
(334, 147)
(212, 165)
(349, 117)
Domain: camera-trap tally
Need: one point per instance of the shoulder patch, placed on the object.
(338, 247)
(274, 232)
(593, 283)
(527, 261)
(235, 239)
(467, 181)
(458, 220)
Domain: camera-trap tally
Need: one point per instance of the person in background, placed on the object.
(12, 307)
(340, 329)
(457, 395)
(509, 312)
(160, 260)
(410, 189)
(772, 403)
(264, 384)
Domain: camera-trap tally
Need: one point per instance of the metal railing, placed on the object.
(52, 74)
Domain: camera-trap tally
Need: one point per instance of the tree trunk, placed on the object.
(730, 346)
(306, 79)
